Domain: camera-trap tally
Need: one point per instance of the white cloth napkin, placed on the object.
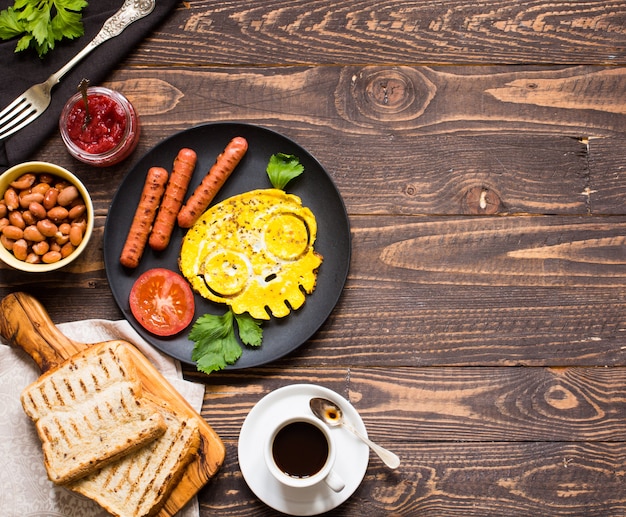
(25, 490)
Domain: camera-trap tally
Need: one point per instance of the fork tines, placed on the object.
(15, 116)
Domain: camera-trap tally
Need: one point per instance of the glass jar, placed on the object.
(110, 134)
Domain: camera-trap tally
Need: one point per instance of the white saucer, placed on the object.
(350, 463)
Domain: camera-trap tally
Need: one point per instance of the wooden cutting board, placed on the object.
(25, 323)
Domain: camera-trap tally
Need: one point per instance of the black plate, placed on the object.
(314, 187)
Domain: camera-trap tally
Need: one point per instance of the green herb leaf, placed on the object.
(250, 331)
(282, 168)
(215, 342)
(10, 24)
(39, 25)
(23, 43)
(68, 22)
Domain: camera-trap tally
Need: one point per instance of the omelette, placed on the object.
(254, 252)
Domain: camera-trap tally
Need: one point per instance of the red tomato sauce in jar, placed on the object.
(105, 128)
(110, 134)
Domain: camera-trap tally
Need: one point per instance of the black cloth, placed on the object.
(19, 71)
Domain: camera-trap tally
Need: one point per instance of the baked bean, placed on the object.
(77, 211)
(80, 222)
(67, 249)
(4, 221)
(55, 246)
(33, 258)
(28, 217)
(68, 195)
(3, 209)
(50, 198)
(12, 232)
(6, 242)
(26, 198)
(24, 182)
(17, 219)
(47, 228)
(61, 239)
(20, 249)
(37, 210)
(76, 234)
(51, 257)
(11, 199)
(46, 177)
(40, 188)
(40, 248)
(31, 233)
(58, 213)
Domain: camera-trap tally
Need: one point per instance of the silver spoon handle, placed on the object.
(131, 11)
(388, 457)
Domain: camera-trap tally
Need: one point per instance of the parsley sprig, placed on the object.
(215, 342)
(282, 168)
(39, 24)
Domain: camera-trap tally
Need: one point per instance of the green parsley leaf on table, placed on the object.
(39, 24)
(282, 168)
(215, 342)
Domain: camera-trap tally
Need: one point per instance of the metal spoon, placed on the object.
(330, 413)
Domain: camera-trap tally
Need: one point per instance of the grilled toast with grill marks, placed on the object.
(90, 411)
(139, 484)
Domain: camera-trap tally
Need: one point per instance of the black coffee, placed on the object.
(300, 449)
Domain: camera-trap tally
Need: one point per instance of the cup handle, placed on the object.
(334, 481)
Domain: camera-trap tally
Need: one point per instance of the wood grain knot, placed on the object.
(481, 201)
(561, 398)
(387, 94)
(389, 91)
(411, 190)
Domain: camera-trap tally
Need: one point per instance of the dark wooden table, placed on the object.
(480, 149)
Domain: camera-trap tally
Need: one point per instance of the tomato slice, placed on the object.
(162, 302)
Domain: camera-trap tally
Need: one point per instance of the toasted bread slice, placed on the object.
(90, 411)
(139, 484)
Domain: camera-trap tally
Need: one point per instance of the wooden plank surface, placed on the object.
(447, 404)
(477, 480)
(480, 149)
(418, 31)
(370, 99)
(480, 441)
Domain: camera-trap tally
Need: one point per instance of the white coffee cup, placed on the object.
(300, 452)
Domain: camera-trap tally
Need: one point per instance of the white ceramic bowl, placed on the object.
(34, 167)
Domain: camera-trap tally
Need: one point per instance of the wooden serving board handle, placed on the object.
(25, 323)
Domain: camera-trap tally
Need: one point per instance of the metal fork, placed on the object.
(34, 101)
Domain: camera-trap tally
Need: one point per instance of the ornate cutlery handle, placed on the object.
(131, 11)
